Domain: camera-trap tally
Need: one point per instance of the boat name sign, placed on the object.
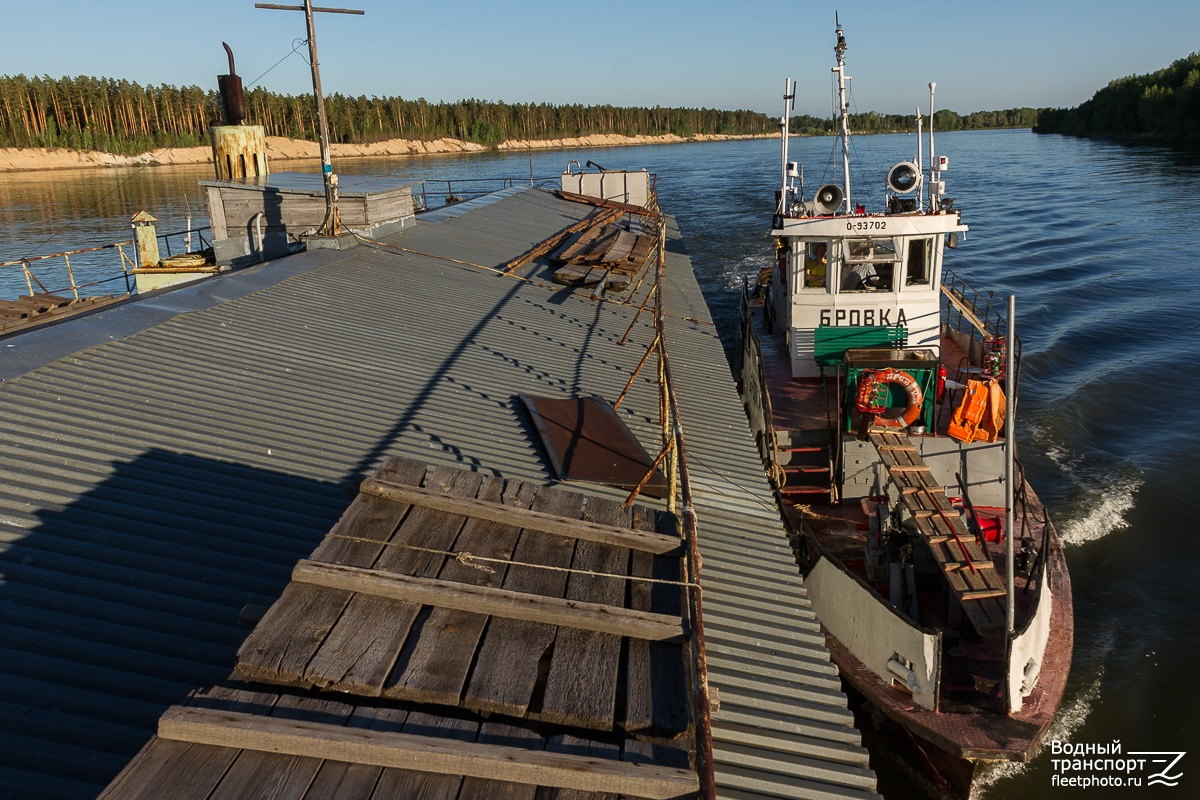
(863, 316)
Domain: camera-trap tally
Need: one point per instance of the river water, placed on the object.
(1097, 242)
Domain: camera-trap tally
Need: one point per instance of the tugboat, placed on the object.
(882, 388)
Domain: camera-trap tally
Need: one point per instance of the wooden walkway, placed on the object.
(29, 311)
(491, 636)
(970, 572)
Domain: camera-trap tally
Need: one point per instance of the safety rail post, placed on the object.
(71, 275)
(28, 276)
(125, 262)
(636, 372)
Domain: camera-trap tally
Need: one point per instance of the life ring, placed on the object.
(915, 398)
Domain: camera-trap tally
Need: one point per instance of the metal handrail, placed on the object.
(674, 453)
(969, 311)
(460, 189)
(73, 285)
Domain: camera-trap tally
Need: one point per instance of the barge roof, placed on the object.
(167, 462)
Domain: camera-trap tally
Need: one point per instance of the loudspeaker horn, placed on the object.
(828, 199)
(903, 178)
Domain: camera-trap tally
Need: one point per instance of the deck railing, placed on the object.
(55, 274)
(430, 194)
(969, 316)
(674, 459)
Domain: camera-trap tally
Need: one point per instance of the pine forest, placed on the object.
(118, 116)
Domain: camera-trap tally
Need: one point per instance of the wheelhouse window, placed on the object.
(816, 266)
(916, 266)
(869, 265)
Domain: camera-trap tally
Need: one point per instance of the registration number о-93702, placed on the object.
(860, 225)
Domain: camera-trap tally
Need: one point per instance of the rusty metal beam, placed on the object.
(645, 211)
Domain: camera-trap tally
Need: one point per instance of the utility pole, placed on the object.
(330, 226)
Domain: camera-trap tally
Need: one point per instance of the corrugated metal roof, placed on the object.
(158, 482)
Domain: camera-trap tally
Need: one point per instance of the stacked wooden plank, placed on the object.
(609, 254)
(487, 635)
(30, 310)
(969, 571)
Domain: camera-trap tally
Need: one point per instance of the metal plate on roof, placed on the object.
(587, 441)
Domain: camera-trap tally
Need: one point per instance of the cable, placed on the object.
(296, 45)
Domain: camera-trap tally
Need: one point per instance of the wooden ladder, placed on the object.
(970, 573)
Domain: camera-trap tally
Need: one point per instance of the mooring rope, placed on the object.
(468, 559)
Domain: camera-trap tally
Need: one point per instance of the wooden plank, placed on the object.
(420, 783)
(429, 528)
(645, 211)
(498, 602)
(369, 517)
(424, 753)
(216, 210)
(571, 274)
(585, 243)
(262, 774)
(280, 646)
(982, 594)
(358, 652)
(338, 780)
(596, 276)
(591, 222)
(507, 667)
(656, 696)
(436, 667)
(511, 736)
(165, 768)
(581, 688)
(582, 748)
(529, 519)
(932, 490)
(667, 755)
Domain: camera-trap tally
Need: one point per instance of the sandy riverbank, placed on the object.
(280, 149)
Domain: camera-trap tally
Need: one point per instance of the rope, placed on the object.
(468, 559)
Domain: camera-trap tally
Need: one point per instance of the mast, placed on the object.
(933, 172)
(1010, 450)
(843, 109)
(788, 98)
(920, 166)
(329, 227)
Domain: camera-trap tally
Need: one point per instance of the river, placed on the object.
(1095, 240)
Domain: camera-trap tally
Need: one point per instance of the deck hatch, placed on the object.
(587, 441)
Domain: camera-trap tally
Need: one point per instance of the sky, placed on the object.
(729, 54)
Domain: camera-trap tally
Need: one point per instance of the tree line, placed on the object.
(1163, 105)
(119, 116)
(944, 120)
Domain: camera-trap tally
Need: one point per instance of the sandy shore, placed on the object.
(280, 149)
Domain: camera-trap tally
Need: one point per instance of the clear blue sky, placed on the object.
(714, 53)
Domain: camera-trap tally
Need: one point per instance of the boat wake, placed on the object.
(1103, 496)
(1106, 509)
(1070, 717)
(744, 268)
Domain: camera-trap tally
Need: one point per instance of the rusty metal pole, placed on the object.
(329, 227)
